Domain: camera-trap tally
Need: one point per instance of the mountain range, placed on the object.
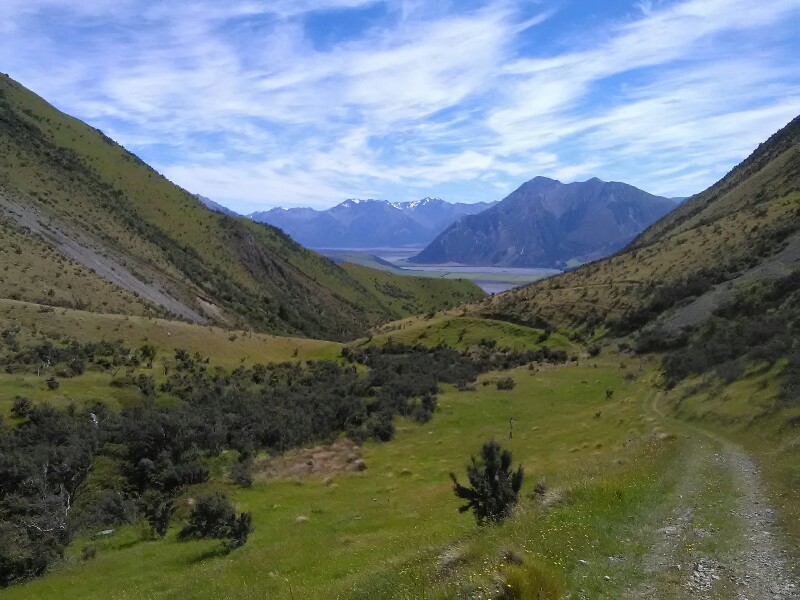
(546, 223)
(86, 224)
(368, 223)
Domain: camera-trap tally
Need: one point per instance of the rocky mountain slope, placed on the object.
(546, 223)
(88, 225)
(216, 206)
(368, 223)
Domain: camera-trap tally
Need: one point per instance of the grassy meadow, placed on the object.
(465, 332)
(413, 295)
(393, 530)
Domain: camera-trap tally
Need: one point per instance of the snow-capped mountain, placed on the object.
(365, 223)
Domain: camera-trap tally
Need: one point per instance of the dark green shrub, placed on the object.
(213, 516)
(495, 488)
(505, 383)
(21, 407)
(242, 472)
(157, 509)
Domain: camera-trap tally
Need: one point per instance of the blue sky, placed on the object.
(258, 103)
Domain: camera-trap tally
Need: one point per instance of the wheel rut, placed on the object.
(719, 537)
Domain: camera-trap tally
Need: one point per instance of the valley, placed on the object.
(491, 280)
(583, 391)
(632, 501)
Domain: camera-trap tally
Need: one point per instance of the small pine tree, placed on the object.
(211, 518)
(495, 488)
(21, 407)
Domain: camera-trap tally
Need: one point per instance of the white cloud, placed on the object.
(235, 101)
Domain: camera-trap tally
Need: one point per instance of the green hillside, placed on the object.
(651, 400)
(743, 221)
(67, 186)
(405, 295)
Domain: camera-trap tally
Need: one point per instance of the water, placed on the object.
(491, 280)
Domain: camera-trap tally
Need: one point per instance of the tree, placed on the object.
(211, 517)
(21, 407)
(495, 488)
(240, 530)
(157, 510)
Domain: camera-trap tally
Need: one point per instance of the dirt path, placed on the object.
(718, 537)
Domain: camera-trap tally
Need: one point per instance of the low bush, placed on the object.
(505, 383)
(213, 516)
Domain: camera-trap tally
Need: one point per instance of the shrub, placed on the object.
(52, 383)
(214, 517)
(242, 472)
(241, 529)
(158, 510)
(21, 407)
(505, 383)
(495, 488)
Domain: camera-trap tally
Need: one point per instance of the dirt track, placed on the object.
(739, 557)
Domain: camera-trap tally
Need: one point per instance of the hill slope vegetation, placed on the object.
(91, 226)
(745, 227)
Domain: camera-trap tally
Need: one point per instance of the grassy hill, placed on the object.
(743, 221)
(466, 332)
(405, 295)
(90, 226)
(646, 456)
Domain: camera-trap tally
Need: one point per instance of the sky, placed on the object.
(262, 103)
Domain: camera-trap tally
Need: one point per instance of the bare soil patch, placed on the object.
(343, 456)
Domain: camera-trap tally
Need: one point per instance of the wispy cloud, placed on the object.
(243, 102)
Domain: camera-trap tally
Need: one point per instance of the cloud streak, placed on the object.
(242, 102)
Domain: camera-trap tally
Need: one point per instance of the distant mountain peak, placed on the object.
(369, 222)
(547, 223)
(352, 202)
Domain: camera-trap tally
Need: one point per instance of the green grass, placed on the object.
(750, 412)
(223, 347)
(404, 295)
(386, 528)
(465, 332)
